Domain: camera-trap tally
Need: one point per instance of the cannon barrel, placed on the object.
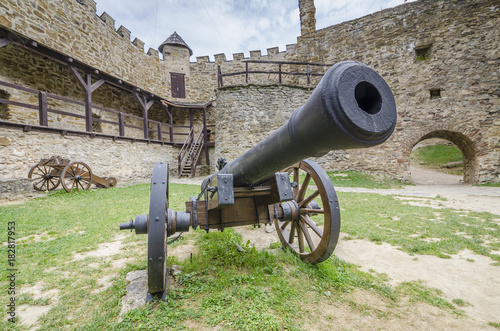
(351, 107)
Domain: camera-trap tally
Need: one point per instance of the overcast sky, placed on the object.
(229, 26)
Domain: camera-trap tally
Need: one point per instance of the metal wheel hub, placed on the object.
(291, 211)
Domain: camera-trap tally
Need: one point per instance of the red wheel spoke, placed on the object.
(311, 224)
(310, 198)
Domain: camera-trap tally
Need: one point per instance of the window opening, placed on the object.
(435, 93)
(423, 53)
(177, 85)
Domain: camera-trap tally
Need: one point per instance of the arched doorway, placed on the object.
(449, 158)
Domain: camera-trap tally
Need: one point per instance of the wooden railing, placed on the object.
(183, 153)
(280, 72)
(188, 157)
(165, 132)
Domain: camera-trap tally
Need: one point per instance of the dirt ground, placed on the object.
(465, 276)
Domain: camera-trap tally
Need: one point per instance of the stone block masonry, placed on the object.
(248, 114)
(440, 58)
(126, 161)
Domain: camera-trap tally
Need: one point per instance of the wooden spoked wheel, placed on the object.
(314, 233)
(157, 234)
(76, 176)
(44, 180)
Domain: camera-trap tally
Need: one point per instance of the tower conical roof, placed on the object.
(176, 40)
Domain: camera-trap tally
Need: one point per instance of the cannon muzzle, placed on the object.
(352, 107)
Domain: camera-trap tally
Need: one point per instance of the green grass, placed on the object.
(435, 156)
(419, 230)
(363, 179)
(219, 286)
(489, 184)
(251, 291)
(496, 325)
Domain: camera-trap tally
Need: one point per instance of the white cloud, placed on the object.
(228, 26)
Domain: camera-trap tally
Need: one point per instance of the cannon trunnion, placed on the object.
(273, 182)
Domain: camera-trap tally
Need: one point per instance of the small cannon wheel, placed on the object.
(111, 181)
(76, 176)
(157, 234)
(44, 181)
(312, 237)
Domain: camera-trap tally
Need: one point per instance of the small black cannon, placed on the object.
(273, 182)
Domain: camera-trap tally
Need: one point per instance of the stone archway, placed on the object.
(466, 145)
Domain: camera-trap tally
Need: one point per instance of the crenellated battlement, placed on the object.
(125, 35)
(122, 31)
(273, 53)
(422, 61)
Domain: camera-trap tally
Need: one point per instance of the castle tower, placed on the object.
(307, 16)
(176, 55)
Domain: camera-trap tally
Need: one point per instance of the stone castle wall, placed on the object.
(451, 91)
(242, 123)
(247, 114)
(440, 58)
(73, 28)
(462, 64)
(107, 158)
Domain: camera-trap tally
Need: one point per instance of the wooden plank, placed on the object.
(42, 109)
(55, 111)
(103, 121)
(15, 103)
(96, 85)
(22, 88)
(53, 96)
(159, 130)
(79, 78)
(121, 124)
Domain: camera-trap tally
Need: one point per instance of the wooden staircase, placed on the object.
(190, 154)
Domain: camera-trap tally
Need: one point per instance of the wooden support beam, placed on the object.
(171, 123)
(145, 104)
(88, 104)
(121, 124)
(88, 87)
(160, 138)
(191, 121)
(42, 108)
(96, 85)
(205, 135)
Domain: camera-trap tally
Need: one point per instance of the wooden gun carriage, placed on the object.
(49, 173)
(273, 182)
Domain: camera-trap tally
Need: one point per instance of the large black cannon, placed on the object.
(273, 182)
